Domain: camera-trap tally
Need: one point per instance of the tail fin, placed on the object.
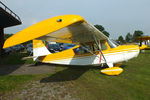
(39, 49)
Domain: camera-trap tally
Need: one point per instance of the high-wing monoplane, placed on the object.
(92, 46)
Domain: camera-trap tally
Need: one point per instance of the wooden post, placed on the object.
(1, 41)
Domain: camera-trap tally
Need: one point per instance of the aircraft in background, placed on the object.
(92, 47)
(144, 42)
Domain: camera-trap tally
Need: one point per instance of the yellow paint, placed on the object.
(42, 28)
(108, 47)
(143, 47)
(60, 55)
(38, 44)
(112, 71)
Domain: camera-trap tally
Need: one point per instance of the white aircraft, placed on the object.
(92, 46)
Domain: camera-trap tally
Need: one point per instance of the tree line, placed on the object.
(129, 38)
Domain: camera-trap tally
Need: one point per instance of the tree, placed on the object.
(121, 40)
(102, 29)
(137, 34)
(106, 33)
(128, 37)
(7, 36)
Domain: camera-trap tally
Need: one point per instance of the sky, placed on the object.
(118, 17)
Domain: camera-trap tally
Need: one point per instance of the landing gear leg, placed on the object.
(110, 65)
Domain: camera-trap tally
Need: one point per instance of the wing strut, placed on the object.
(99, 46)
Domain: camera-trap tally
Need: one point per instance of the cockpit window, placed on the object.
(103, 46)
(82, 49)
(112, 43)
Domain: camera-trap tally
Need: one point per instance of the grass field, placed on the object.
(89, 84)
(132, 84)
(9, 82)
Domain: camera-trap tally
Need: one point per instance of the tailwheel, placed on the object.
(112, 71)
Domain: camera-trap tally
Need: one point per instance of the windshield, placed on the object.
(112, 43)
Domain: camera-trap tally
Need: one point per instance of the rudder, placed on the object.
(39, 49)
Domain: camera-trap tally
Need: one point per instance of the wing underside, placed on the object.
(78, 33)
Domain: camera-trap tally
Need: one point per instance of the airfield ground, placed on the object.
(74, 82)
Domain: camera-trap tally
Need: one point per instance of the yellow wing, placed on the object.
(64, 29)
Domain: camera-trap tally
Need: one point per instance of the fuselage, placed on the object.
(74, 56)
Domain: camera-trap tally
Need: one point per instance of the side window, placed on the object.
(82, 50)
(103, 46)
(95, 47)
(112, 44)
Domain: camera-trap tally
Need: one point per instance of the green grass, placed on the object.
(9, 82)
(12, 82)
(15, 58)
(88, 84)
(16, 82)
(132, 84)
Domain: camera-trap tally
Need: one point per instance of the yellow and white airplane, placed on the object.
(92, 46)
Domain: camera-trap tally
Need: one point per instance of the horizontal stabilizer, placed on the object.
(29, 57)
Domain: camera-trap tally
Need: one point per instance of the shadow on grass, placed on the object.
(10, 63)
(71, 73)
(8, 69)
(123, 66)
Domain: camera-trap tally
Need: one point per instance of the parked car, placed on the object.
(8, 50)
(53, 48)
(29, 48)
(21, 46)
(67, 46)
(18, 47)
